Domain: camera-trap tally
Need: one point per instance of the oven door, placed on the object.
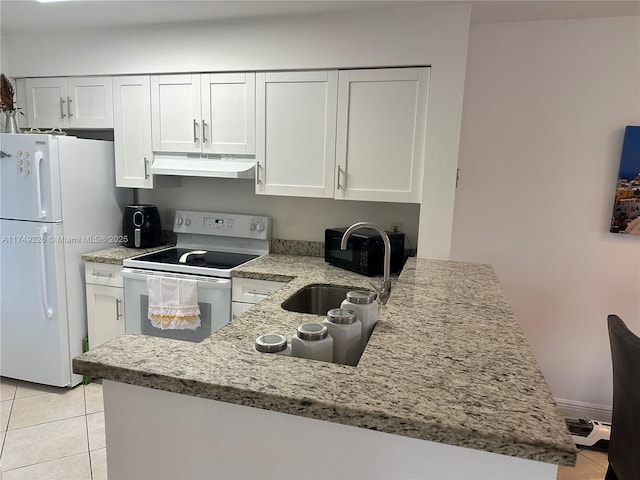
(214, 299)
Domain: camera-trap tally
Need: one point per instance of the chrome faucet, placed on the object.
(385, 289)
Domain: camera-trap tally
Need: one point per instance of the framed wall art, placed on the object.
(626, 208)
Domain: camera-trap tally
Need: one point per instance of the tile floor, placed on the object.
(58, 434)
(591, 464)
(51, 433)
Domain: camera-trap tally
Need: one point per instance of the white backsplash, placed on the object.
(294, 218)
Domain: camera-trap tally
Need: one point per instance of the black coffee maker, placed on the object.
(141, 226)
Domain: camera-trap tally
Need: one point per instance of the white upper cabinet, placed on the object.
(348, 134)
(46, 102)
(380, 143)
(176, 113)
(132, 131)
(295, 130)
(228, 113)
(73, 102)
(208, 113)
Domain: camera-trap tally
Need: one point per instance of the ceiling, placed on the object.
(16, 15)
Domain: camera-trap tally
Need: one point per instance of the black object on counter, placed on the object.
(365, 251)
(141, 226)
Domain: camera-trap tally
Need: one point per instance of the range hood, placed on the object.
(202, 165)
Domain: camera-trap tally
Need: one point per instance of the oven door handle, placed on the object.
(203, 282)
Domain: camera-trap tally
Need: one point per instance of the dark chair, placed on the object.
(624, 445)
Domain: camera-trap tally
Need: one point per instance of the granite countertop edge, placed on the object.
(321, 405)
(330, 412)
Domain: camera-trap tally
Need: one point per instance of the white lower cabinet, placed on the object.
(105, 302)
(246, 292)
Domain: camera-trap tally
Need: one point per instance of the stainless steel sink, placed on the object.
(317, 298)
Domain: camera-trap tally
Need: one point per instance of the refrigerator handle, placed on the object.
(38, 160)
(43, 270)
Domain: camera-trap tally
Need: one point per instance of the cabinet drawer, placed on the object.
(249, 290)
(103, 274)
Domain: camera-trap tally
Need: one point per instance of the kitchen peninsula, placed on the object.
(446, 388)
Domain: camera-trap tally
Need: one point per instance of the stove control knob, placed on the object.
(179, 221)
(187, 222)
(261, 227)
(252, 227)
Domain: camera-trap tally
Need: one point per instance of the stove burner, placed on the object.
(211, 259)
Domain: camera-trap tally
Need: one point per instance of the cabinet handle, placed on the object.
(257, 292)
(118, 312)
(69, 107)
(146, 168)
(62, 115)
(195, 131)
(43, 268)
(258, 167)
(339, 172)
(38, 162)
(99, 274)
(204, 135)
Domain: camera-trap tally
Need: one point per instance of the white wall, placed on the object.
(4, 55)
(415, 35)
(545, 107)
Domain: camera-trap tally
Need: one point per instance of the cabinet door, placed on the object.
(105, 313)
(228, 113)
(132, 131)
(381, 134)
(46, 102)
(295, 133)
(238, 308)
(21, 102)
(175, 113)
(89, 102)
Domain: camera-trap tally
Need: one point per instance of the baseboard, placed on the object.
(576, 409)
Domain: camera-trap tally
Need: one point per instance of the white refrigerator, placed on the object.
(58, 200)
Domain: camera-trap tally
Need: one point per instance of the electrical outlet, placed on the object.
(396, 226)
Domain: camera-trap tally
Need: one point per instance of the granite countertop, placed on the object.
(447, 362)
(116, 255)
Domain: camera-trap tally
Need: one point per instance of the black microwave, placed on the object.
(365, 251)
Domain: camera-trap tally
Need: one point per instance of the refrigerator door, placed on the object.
(29, 178)
(33, 311)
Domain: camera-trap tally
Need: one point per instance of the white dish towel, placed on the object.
(173, 303)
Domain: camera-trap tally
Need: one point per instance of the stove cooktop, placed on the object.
(211, 263)
(228, 240)
(224, 260)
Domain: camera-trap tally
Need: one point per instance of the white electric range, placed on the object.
(209, 245)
